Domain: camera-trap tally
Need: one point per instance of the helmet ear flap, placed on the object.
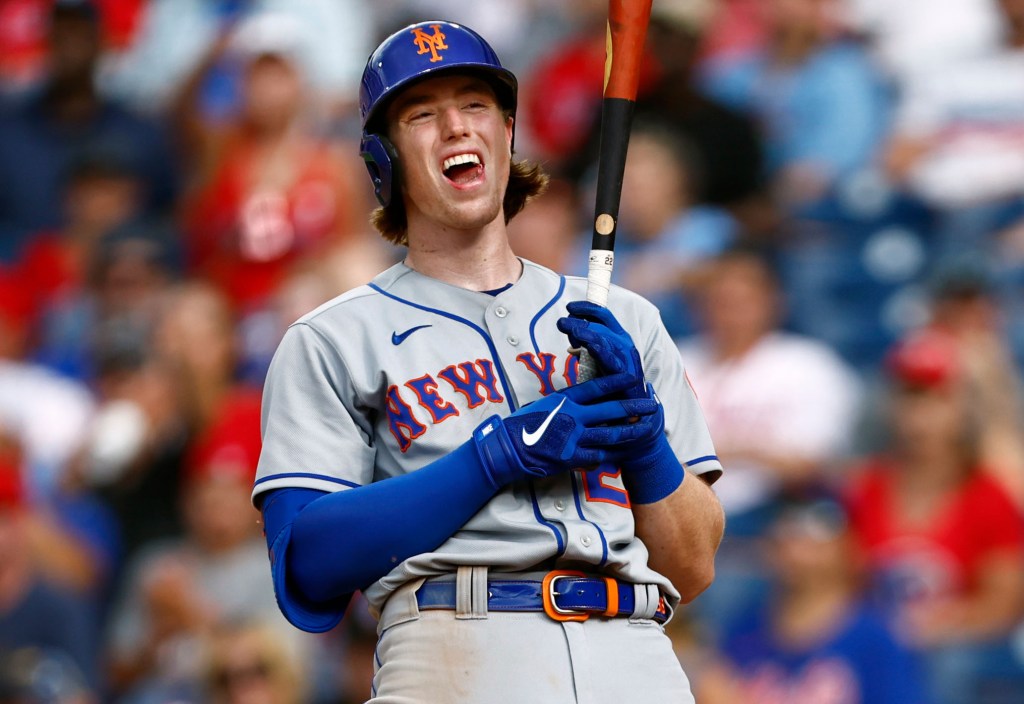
(382, 163)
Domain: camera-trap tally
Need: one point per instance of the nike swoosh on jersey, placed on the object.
(534, 437)
(397, 339)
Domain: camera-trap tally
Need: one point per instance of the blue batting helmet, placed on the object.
(412, 54)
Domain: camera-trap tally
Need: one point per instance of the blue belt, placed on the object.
(563, 595)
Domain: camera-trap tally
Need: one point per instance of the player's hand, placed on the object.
(569, 429)
(595, 328)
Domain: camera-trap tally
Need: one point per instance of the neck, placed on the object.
(931, 469)
(479, 260)
(271, 132)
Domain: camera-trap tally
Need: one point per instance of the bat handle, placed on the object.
(599, 280)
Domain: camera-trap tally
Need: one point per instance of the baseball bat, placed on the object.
(624, 46)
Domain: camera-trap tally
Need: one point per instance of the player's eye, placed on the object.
(419, 115)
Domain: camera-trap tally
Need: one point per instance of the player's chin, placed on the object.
(475, 214)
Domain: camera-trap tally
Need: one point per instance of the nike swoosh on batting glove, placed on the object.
(565, 430)
(596, 328)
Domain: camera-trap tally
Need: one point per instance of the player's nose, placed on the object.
(454, 124)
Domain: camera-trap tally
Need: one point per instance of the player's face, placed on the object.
(454, 143)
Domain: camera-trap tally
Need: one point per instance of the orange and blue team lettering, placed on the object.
(543, 371)
(475, 381)
(468, 378)
(425, 389)
(401, 421)
(429, 43)
(597, 487)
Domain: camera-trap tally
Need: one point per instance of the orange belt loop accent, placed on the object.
(548, 592)
(612, 609)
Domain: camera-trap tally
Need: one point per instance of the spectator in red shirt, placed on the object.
(269, 192)
(942, 539)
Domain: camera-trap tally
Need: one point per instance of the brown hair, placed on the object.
(525, 181)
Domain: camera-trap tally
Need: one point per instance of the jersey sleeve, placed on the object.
(685, 425)
(314, 436)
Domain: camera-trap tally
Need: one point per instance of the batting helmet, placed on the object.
(420, 51)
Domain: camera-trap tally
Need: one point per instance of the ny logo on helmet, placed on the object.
(431, 43)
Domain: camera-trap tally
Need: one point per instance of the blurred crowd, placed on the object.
(825, 198)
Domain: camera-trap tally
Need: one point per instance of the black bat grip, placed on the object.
(616, 118)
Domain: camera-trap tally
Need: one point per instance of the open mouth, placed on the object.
(463, 169)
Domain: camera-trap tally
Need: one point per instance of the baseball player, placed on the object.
(521, 537)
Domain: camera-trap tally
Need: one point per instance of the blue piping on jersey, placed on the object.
(458, 319)
(542, 311)
(579, 512)
(540, 519)
(698, 460)
(501, 375)
(536, 349)
(307, 475)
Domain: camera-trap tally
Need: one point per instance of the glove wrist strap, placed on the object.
(654, 476)
(498, 455)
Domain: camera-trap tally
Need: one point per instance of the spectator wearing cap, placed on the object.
(41, 137)
(968, 305)
(814, 639)
(942, 540)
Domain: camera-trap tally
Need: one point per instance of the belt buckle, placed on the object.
(548, 591)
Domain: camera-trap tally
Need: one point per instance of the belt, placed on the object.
(564, 595)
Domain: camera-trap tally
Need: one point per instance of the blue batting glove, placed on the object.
(595, 328)
(570, 429)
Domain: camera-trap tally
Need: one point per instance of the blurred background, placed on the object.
(825, 198)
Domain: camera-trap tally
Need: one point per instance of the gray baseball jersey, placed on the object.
(396, 374)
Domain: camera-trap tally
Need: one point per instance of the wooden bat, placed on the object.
(624, 46)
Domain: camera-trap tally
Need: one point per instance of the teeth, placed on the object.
(460, 159)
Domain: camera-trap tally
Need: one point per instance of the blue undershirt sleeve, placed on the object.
(326, 546)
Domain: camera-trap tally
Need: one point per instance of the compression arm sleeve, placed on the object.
(327, 546)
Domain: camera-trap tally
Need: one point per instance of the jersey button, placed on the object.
(500, 311)
(585, 541)
(560, 505)
(512, 340)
